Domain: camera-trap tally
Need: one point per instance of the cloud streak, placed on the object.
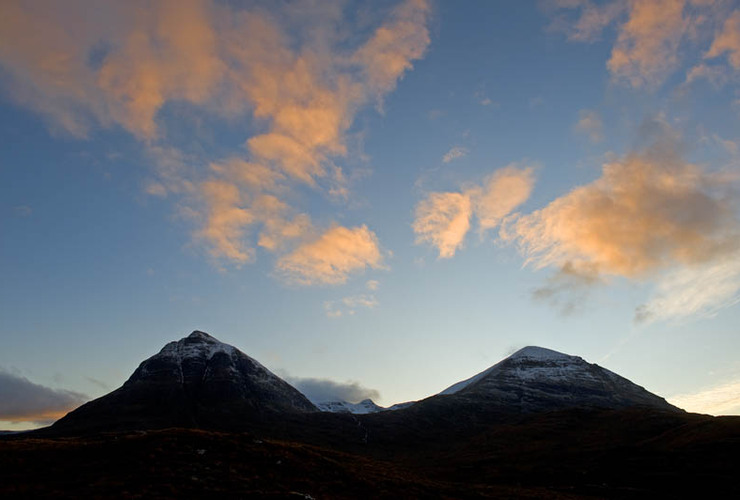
(23, 401)
(696, 291)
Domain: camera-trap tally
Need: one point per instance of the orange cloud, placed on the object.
(592, 20)
(647, 212)
(168, 52)
(248, 175)
(226, 222)
(502, 192)
(43, 52)
(646, 51)
(648, 46)
(332, 257)
(443, 220)
(728, 41)
(308, 97)
(388, 54)
(300, 72)
(120, 65)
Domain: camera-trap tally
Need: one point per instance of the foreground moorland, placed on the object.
(566, 454)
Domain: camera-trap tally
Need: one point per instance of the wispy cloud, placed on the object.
(501, 193)
(443, 219)
(349, 305)
(454, 153)
(590, 124)
(700, 290)
(723, 399)
(593, 17)
(650, 212)
(332, 257)
(567, 289)
(536, 102)
(651, 35)
(483, 99)
(372, 285)
(22, 210)
(646, 51)
(301, 73)
(727, 41)
(23, 401)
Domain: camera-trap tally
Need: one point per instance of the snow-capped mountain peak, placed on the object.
(363, 407)
(196, 380)
(542, 353)
(535, 378)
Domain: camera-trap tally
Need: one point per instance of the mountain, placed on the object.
(201, 382)
(194, 382)
(538, 424)
(538, 379)
(363, 407)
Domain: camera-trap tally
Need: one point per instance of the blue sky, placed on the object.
(388, 196)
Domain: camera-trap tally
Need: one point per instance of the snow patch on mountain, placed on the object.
(362, 408)
(536, 363)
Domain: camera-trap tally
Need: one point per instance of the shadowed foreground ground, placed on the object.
(569, 454)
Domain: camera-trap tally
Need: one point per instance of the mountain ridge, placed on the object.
(536, 378)
(198, 381)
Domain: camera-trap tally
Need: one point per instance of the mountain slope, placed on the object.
(536, 379)
(196, 381)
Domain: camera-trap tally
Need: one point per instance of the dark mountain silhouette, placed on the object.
(538, 379)
(194, 382)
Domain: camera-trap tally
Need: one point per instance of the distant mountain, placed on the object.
(196, 381)
(201, 382)
(363, 407)
(538, 379)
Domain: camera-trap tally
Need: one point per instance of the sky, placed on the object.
(373, 199)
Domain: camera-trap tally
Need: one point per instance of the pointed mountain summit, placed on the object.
(539, 379)
(197, 381)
